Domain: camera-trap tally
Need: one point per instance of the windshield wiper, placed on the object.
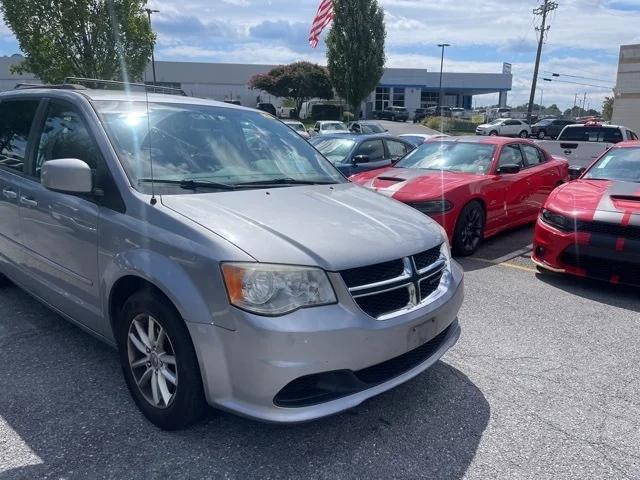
(189, 184)
(282, 181)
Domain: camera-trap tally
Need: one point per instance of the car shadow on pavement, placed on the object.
(622, 296)
(504, 247)
(69, 416)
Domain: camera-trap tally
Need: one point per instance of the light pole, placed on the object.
(153, 60)
(442, 46)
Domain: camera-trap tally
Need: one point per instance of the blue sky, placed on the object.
(583, 41)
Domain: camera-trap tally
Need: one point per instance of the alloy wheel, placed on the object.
(472, 231)
(523, 134)
(152, 361)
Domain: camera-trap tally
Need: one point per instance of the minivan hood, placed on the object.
(330, 226)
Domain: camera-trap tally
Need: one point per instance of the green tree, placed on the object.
(299, 81)
(607, 108)
(355, 49)
(106, 39)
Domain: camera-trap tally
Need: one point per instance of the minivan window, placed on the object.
(65, 135)
(16, 117)
(203, 143)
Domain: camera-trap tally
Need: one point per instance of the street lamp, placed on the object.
(153, 60)
(442, 46)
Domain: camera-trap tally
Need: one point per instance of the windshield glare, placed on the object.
(450, 156)
(336, 150)
(621, 164)
(372, 128)
(334, 126)
(208, 143)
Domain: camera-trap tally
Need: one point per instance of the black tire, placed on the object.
(188, 403)
(493, 133)
(542, 134)
(469, 231)
(523, 134)
(393, 118)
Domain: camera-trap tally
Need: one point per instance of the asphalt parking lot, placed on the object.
(543, 384)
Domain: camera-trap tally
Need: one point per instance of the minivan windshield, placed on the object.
(468, 157)
(185, 146)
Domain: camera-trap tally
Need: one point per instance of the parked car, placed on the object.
(588, 227)
(584, 143)
(358, 153)
(400, 114)
(418, 139)
(457, 112)
(473, 187)
(366, 126)
(329, 127)
(438, 112)
(286, 112)
(549, 127)
(267, 107)
(419, 115)
(298, 127)
(505, 127)
(222, 256)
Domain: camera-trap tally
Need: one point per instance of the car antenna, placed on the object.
(153, 187)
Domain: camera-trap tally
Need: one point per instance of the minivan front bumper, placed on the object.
(245, 370)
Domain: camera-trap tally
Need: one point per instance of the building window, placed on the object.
(398, 97)
(382, 98)
(428, 99)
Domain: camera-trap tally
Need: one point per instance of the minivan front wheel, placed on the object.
(159, 362)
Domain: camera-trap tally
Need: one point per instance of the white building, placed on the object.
(404, 87)
(626, 106)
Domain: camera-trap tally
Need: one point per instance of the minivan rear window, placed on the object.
(207, 143)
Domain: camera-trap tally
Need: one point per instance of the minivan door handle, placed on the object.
(29, 202)
(9, 194)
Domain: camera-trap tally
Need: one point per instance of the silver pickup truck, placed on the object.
(581, 144)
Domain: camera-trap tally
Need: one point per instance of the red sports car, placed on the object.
(474, 187)
(590, 227)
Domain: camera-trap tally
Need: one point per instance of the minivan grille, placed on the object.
(355, 277)
(382, 289)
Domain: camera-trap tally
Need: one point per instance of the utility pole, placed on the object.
(544, 9)
(584, 102)
(442, 46)
(153, 60)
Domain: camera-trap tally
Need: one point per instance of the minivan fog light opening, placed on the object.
(270, 289)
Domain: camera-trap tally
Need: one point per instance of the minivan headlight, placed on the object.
(270, 289)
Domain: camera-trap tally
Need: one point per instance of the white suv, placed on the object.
(505, 127)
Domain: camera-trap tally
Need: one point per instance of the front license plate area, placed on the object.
(421, 334)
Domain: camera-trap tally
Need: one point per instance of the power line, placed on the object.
(546, 79)
(543, 10)
(555, 74)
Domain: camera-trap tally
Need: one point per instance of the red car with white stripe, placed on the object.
(590, 227)
(475, 187)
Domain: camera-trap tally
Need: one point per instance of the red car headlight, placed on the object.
(558, 221)
(433, 206)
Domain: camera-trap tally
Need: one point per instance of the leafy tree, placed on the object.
(607, 108)
(106, 39)
(355, 49)
(299, 81)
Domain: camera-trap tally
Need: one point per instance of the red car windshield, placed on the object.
(621, 164)
(467, 157)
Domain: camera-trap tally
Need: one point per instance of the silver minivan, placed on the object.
(227, 261)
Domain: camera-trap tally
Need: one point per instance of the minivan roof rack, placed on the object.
(63, 86)
(98, 84)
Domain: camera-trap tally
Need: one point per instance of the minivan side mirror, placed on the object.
(575, 172)
(360, 159)
(509, 168)
(69, 175)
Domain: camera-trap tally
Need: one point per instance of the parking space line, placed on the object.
(512, 255)
(505, 264)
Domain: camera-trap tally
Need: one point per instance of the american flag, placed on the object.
(323, 18)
